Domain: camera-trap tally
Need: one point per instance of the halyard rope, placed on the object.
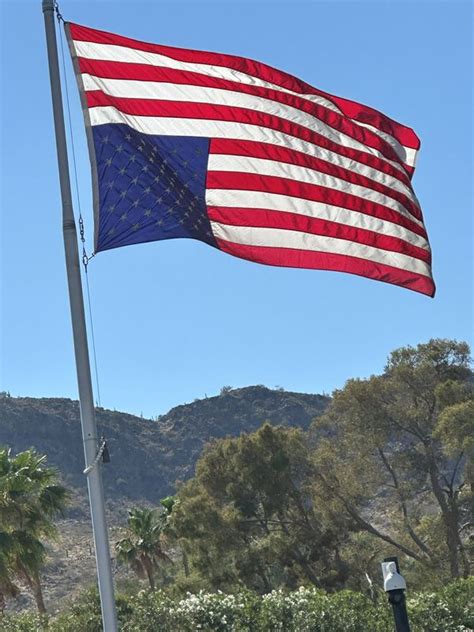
(85, 257)
(98, 456)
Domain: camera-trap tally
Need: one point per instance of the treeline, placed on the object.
(387, 469)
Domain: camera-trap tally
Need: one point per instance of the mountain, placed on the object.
(147, 456)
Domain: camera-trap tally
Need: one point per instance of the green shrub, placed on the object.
(84, 614)
(304, 610)
(311, 610)
(150, 611)
(24, 622)
(448, 610)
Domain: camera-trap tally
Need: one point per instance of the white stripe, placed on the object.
(131, 89)
(278, 238)
(407, 154)
(168, 126)
(111, 52)
(231, 198)
(245, 164)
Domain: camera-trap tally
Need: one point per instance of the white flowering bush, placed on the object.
(304, 610)
(204, 611)
(311, 610)
(290, 611)
(218, 611)
(450, 609)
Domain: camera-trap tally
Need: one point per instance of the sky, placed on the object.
(177, 320)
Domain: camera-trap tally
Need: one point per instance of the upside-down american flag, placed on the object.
(248, 159)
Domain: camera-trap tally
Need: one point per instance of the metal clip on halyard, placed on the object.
(85, 257)
(59, 16)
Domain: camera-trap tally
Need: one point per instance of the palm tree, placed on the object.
(30, 499)
(142, 548)
(7, 586)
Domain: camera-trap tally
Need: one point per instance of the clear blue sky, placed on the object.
(176, 320)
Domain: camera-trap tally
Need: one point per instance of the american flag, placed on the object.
(248, 159)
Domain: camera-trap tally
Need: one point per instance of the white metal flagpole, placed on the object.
(76, 302)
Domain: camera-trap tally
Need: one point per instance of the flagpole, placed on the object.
(76, 302)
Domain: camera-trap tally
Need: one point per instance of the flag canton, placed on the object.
(150, 187)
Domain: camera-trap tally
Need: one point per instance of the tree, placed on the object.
(402, 438)
(8, 588)
(142, 548)
(247, 517)
(30, 500)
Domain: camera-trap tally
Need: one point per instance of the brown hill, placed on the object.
(147, 456)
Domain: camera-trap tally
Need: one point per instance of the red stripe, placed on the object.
(263, 218)
(314, 192)
(364, 114)
(145, 72)
(402, 133)
(293, 157)
(292, 258)
(186, 109)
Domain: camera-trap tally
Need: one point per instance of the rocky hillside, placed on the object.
(147, 456)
